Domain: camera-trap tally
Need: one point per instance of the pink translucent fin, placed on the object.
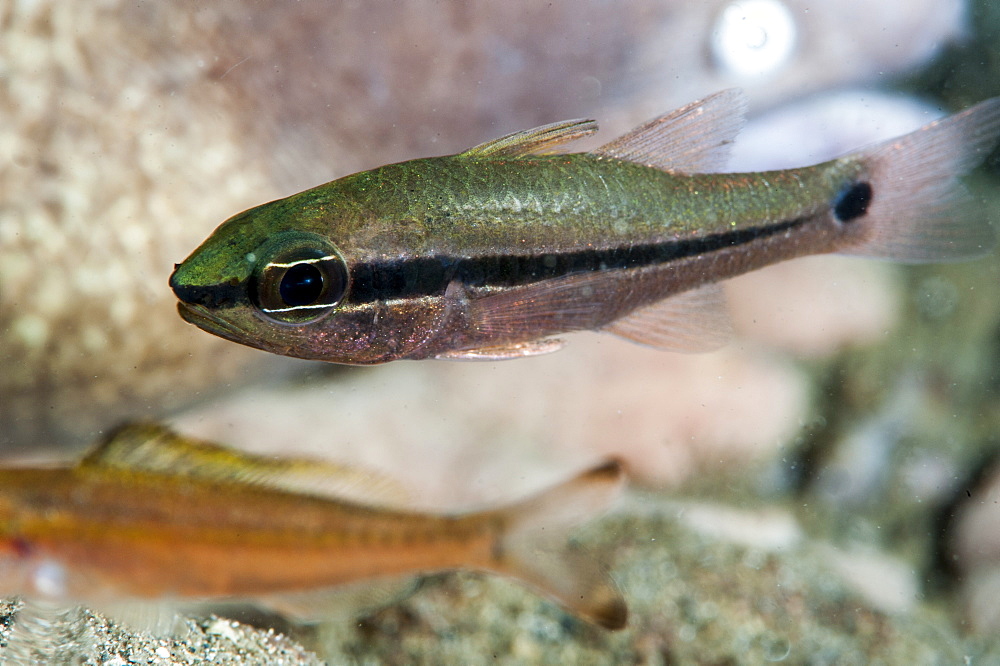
(570, 303)
(536, 141)
(696, 138)
(534, 547)
(919, 210)
(343, 602)
(693, 321)
(505, 352)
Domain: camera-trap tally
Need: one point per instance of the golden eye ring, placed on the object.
(302, 281)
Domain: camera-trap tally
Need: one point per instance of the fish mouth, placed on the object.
(205, 320)
(212, 296)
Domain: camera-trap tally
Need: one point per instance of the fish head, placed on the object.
(257, 286)
(276, 281)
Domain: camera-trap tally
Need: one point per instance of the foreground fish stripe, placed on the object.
(490, 253)
(117, 526)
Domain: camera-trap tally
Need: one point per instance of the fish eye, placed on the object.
(300, 283)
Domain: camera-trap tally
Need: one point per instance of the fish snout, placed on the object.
(210, 296)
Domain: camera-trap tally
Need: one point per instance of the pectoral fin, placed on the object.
(692, 321)
(575, 302)
(505, 352)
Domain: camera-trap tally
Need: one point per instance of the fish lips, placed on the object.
(266, 338)
(205, 320)
(198, 303)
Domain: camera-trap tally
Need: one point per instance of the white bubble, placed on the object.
(753, 37)
(50, 579)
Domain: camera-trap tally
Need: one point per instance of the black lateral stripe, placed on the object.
(427, 276)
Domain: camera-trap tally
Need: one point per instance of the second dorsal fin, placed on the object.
(693, 139)
(535, 141)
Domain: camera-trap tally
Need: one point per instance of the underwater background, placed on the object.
(825, 489)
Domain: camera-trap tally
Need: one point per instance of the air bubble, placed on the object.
(753, 37)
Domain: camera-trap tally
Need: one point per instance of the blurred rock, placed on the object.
(816, 306)
(106, 181)
(975, 547)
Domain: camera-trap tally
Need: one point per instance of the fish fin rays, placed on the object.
(154, 448)
(535, 141)
(534, 548)
(692, 321)
(562, 304)
(568, 303)
(914, 208)
(505, 352)
(696, 138)
(348, 601)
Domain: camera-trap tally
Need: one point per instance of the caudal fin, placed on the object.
(914, 206)
(534, 548)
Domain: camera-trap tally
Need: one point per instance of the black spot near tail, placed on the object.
(852, 202)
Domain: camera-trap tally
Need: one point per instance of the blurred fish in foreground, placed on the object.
(490, 253)
(149, 514)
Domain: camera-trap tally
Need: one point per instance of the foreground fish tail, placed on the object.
(533, 546)
(911, 202)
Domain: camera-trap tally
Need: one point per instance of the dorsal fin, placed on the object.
(693, 139)
(536, 141)
(151, 447)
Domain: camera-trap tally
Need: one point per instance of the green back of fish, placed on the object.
(464, 206)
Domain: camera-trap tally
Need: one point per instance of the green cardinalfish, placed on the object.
(490, 253)
(153, 515)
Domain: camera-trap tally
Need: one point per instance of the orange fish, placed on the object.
(150, 514)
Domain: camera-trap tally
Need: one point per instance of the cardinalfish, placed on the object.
(493, 252)
(150, 514)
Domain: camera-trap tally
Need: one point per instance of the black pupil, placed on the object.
(301, 285)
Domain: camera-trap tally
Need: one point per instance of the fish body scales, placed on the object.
(464, 207)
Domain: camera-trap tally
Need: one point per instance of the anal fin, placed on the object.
(347, 602)
(692, 321)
